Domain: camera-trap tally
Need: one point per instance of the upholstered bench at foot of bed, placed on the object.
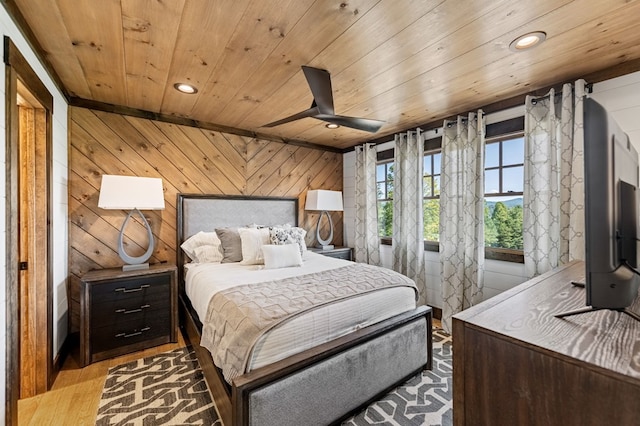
(329, 390)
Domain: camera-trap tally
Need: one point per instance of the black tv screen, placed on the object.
(611, 213)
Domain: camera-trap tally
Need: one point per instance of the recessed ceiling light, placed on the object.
(527, 41)
(185, 88)
(331, 126)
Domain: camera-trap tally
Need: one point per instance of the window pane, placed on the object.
(513, 179)
(381, 194)
(380, 172)
(492, 155)
(436, 186)
(492, 181)
(385, 218)
(431, 210)
(427, 165)
(503, 222)
(513, 151)
(436, 163)
(426, 187)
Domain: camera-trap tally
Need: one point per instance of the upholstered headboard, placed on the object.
(202, 212)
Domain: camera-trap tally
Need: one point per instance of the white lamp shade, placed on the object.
(324, 200)
(131, 192)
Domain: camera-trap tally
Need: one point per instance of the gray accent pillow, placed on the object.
(231, 244)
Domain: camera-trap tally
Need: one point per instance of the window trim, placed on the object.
(492, 253)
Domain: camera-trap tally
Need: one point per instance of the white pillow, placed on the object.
(200, 239)
(208, 254)
(252, 240)
(281, 256)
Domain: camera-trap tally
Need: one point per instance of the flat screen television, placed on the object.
(611, 179)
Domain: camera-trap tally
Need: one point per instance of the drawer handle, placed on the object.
(137, 333)
(132, 311)
(132, 290)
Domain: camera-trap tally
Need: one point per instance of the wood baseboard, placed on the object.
(58, 361)
(437, 312)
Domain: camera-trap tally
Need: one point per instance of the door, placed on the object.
(29, 281)
(32, 220)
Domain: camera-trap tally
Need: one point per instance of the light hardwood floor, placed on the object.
(75, 394)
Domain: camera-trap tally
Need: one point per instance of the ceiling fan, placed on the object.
(322, 107)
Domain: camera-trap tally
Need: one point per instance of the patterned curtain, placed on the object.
(553, 216)
(367, 242)
(462, 215)
(408, 240)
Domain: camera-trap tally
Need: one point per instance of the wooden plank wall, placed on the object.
(189, 160)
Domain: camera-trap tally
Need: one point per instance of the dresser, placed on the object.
(122, 312)
(515, 363)
(345, 253)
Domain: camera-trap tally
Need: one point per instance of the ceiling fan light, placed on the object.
(331, 126)
(185, 88)
(527, 41)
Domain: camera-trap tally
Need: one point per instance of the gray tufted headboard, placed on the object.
(202, 212)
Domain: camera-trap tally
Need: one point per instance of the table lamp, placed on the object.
(134, 194)
(324, 201)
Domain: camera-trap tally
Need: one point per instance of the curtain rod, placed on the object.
(464, 119)
(588, 88)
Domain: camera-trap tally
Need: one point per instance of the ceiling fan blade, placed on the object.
(311, 112)
(366, 124)
(320, 85)
(319, 81)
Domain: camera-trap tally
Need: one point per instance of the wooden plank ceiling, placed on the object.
(402, 61)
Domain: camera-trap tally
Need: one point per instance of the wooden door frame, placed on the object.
(17, 67)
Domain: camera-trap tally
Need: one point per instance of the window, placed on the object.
(384, 181)
(431, 205)
(504, 182)
(431, 189)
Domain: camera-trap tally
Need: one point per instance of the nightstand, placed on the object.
(345, 253)
(123, 312)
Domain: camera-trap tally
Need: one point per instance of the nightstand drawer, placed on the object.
(123, 333)
(342, 254)
(125, 312)
(337, 252)
(133, 288)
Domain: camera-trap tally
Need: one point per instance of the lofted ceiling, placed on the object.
(407, 62)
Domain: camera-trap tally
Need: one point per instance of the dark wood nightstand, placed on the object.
(122, 312)
(345, 253)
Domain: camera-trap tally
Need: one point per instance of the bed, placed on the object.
(319, 380)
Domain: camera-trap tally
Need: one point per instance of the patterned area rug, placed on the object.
(169, 389)
(164, 389)
(423, 400)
